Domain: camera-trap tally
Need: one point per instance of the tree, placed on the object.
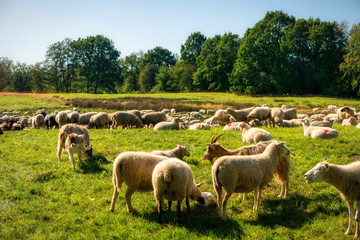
(130, 71)
(147, 77)
(191, 49)
(21, 81)
(159, 57)
(351, 66)
(162, 79)
(39, 77)
(6, 74)
(186, 79)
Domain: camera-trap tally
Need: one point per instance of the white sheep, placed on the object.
(84, 118)
(76, 143)
(260, 113)
(173, 180)
(239, 115)
(333, 108)
(319, 132)
(345, 178)
(290, 114)
(61, 118)
(292, 123)
(351, 121)
(38, 121)
(178, 152)
(253, 135)
(244, 174)
(358, 126)
(232, 126)
(135, 169)
(73, 117)
(99, 120)
(173, 125)
(125, 119)
(221, 116)
(276, 116)
(198, 126)
(345, 112)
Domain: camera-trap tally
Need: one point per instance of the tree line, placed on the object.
(278, 55)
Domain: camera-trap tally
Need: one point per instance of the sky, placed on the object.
(29, 27)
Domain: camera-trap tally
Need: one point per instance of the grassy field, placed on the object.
(41, 198)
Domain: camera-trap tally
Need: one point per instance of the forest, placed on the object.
(278, 55)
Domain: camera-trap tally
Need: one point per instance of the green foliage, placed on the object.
(130, 71)
(6, 74)
(147, 78)
(191, 49)
(159, 57)
(21, 80)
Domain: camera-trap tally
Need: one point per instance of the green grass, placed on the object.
(41, 198)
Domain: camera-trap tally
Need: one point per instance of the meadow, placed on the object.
(41, 198)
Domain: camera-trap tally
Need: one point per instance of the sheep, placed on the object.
(72, 128)
(317, 117)
(281, 174)
(194, 121)
(178, 152)
(198, 126)
(173, 125)
(196, 115)
(319, 132)
(50, 121)
(75, 143)
(349, 122)
(222, 117)
(84, 118)
(25, 121)
(239, 115)
(38, 121)
(345, 112)
(61, 118)
(99, 120)
(211, 120)
(232, 126)
(290, 114)
(244, 174)
(135, 169)
(292, 123)
(345, 178)
(210, 112)
(153, 118)
(255, 123)
(260, 113)
(73, 117)
(333, 108)
(276, 116)
(358, 126)
(173, 180)
(202, 111)
(253, 135)
(125, 119)
(322, 123)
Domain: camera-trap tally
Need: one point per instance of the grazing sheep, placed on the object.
(135, 169)
(290, 114)
(173, 180)
(76, 143)
(349, 122)
(38, 121)
(67, 130)
(84, 118)
(50, 121)
(243, 174)
(25, 121)
(99, 120)
(136, 112)
(281, 174)
(73, 117)
(173, 125)
(61, 118)
(260, 113)
(276, 116)
(178, 152)
(239, 115)
(222, 117)
(153, 118)
(345, 178)
(125, 119)
(253, 135)
(200, 126)
(319, 132)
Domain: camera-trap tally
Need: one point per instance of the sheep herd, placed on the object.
(244, 170)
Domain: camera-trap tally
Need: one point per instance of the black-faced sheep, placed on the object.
(345, 178)
(125, 119)
(178, 152)
(244, 174)
(173, 180)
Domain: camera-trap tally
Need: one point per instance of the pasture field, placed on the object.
(41, 198)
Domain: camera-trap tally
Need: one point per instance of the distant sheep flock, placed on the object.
(243, 170)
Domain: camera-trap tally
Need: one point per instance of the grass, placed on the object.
(41, 198)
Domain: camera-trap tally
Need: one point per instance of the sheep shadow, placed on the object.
(203, 220)
(94, 164)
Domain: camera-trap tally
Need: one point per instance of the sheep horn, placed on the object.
(217, 137)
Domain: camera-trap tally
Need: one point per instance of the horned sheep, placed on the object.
(173, 180)
(243, 174)
(178, 152)
(253, 135)
(345, 178)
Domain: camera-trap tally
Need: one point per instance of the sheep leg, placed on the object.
(258, 198)
(187, 205)
(244, 197)
(226, 198)
(178, 210)
(255, 198)
(128, 194)
(351, 216)
(60, 148)
(115, 195)
(169, 204)
(356, 230)
(160, 210)
(218, 191)
(71, 158)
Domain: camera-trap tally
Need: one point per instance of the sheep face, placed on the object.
(183, 151)
(357, 214)
(318, 173)
(196, 194)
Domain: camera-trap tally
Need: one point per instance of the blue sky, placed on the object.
(28, 27)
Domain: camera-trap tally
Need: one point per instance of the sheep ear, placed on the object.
(199, 184)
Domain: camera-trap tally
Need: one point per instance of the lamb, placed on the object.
(73, 117)
(276, 116)
(281, 174)
(38, 121)
(99, 120)
(222, 117)
(253, 135)
(125, 119)
(75, 143)
(198, 126)
(239, 115)
(260, 113)
(61, 118)
(345, 178)
(349, 122)
(290, 114)
(67, 130)
(319, 132)
(135, 169)
(243, 174)
(153, 118)
(178, 152)
(84, 118)
(173, 180)
(173, 125)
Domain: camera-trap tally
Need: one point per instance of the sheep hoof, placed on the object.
(347, 232)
